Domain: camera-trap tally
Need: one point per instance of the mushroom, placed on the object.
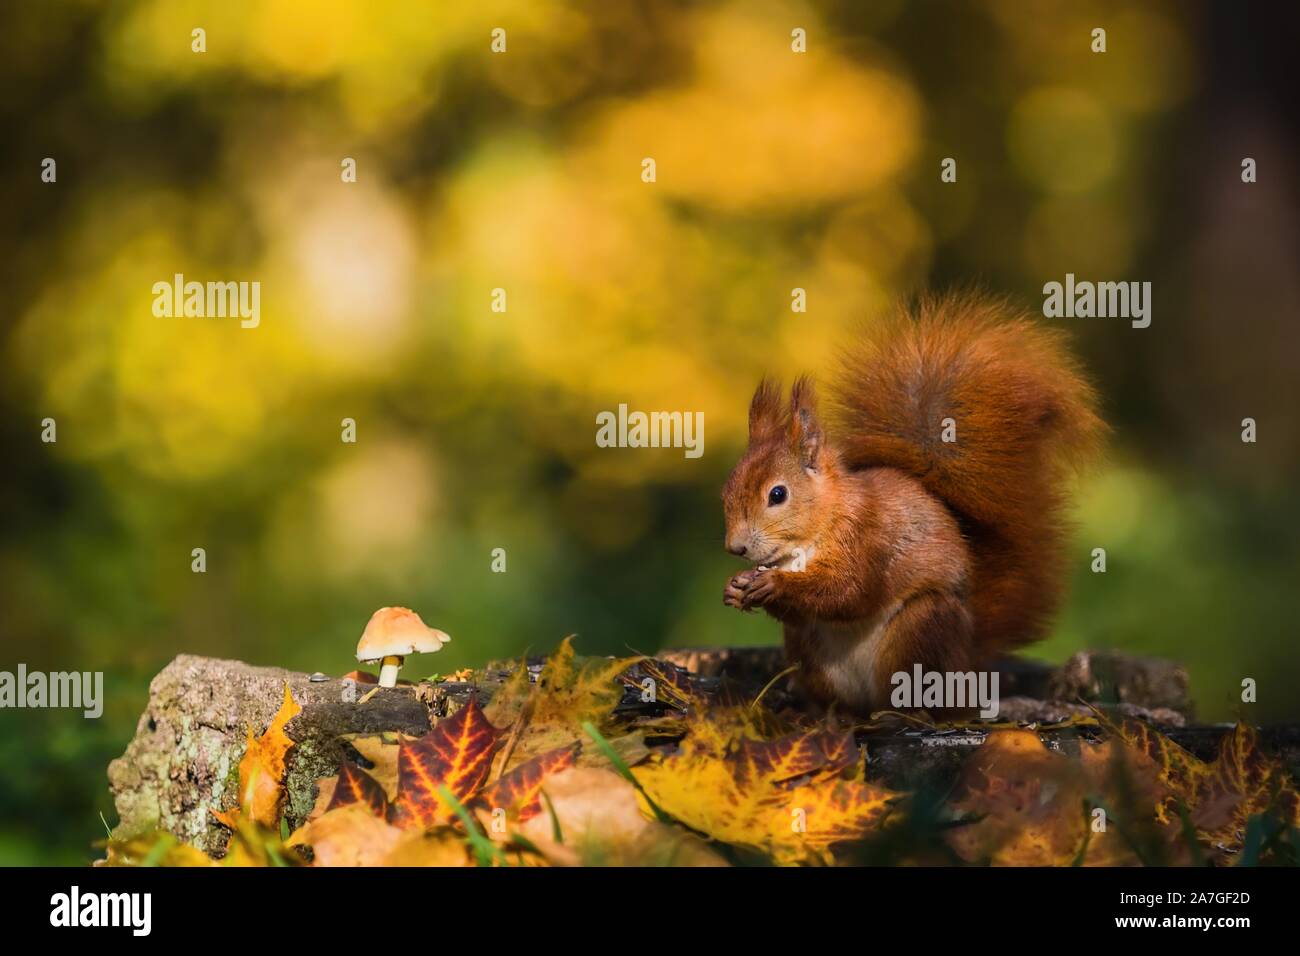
(392, 634)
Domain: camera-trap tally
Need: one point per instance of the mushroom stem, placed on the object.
(388, 671)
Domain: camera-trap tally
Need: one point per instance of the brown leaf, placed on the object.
(252, 844)
(1034, 807)
(1026, 802)
(670, 686)
(794, 756)
(324, 797)
(601, 823)
(511, 697)
(589, 802)
(574, 689)
(1220, 796)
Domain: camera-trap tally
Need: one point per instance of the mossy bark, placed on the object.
(184, 760)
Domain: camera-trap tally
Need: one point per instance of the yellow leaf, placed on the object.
(252, 844)
(573, 689)
(549, 714)
(511, 697)
(792, 798)
(441, 846)
(154, 849)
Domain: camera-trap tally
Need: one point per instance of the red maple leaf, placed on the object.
(456, 754)
(357, 786)
(520, 790)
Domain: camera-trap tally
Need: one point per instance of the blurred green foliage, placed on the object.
(476, 429)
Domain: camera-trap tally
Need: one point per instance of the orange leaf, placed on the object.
(356, 786)
(456, 754)
(261, 770)
(520, 790)
(347, 836)
(1025, 804)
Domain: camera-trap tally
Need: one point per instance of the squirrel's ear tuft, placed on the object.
(765, 411)
(805, 429)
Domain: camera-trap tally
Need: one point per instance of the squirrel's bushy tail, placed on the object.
(1022, 416)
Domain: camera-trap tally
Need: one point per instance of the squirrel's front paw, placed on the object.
(759, 590)
(733, 595)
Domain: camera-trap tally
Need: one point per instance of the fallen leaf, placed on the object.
(549, 714)
(574, 689)
(252, 844)
(154, 849)
(1220, 796)
(324, 797)
(441, 846)
(588, 802)
(380, 751)
(349, 835)
(667, 683)
(792, 798)
(1035, 807)
(261, 769)
(1025, 803)
(508, 703)
(356, 786)
(600, 823)
(456, 754)
(519, 792)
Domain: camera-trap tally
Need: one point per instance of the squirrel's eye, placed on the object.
(776, 495)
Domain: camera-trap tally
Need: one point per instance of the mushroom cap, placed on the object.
(398, 631)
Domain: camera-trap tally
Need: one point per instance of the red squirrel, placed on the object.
(927, 524)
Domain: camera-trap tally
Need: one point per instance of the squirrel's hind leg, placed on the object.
(933, 629)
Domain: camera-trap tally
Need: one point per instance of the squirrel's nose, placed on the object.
(737, 549)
